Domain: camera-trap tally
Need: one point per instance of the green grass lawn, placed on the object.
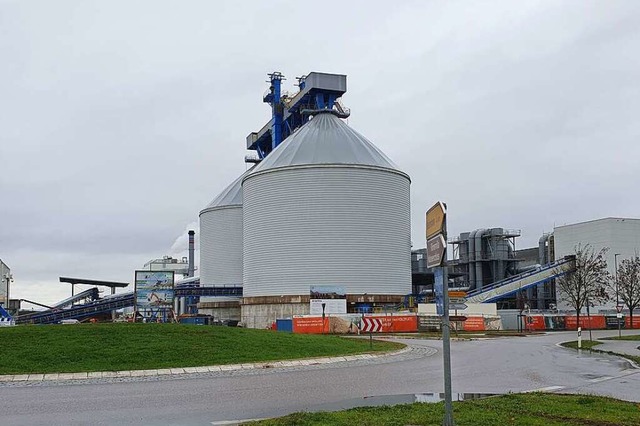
(592, 345)
(586, 344)
(632, 337)
(111, 347)
(532, 409)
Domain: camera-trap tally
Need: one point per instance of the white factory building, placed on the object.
(5, 280)
(620, 235)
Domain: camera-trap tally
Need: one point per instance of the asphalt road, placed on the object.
(479, 366)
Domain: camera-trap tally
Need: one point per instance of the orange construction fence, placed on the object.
(636, 321)
(311, 325)
(390, 324)
(535, 323)
(474, 324)
(594, 322)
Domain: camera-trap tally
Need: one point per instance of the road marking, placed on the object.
(235, 422)
(547, 389)
(600, 379)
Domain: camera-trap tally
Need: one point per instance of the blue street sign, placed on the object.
(438, 288)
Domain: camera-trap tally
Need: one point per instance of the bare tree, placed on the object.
(588, 282)
(629, 284)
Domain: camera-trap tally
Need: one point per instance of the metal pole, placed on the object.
(446, 346)
(579, 337)
(8, 277)
(615, 261)
(589, 317)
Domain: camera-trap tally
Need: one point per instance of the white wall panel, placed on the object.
(221, 246)
(326, 225)
(620, 235)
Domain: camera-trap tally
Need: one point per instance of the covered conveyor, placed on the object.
(79, 312)
(511, 285)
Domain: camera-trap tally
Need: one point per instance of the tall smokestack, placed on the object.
(192, 248)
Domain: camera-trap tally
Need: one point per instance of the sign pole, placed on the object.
(436, 234)
(446, 343)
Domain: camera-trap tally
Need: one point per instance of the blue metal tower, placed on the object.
(317, 92)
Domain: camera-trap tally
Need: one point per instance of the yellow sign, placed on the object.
(457, 294)
(435, 219)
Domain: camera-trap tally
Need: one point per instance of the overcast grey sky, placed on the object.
(121, 120)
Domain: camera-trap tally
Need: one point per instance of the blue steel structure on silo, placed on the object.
(318, 92)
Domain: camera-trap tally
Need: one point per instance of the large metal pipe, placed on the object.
(192, 248)
(471, 255)
(511, 255)
(542, 249)
(478, 254)
(544, 258)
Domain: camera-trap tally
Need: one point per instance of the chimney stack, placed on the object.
(192, 266)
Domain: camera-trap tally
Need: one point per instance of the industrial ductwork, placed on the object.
(478, 257)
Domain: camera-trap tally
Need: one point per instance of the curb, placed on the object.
(191, 370)
(622, 356)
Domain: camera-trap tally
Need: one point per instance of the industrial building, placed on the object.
(322, 206)
(5, 283)
(304, 214)
(620, 235)
(168, 263)
(486, 255)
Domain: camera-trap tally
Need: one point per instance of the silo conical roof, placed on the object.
(230, 196)
(325, 139)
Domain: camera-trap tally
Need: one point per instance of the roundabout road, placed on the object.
(479, 366)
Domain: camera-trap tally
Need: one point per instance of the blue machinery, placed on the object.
(79, 312)
(192, 293)
(5, 317)
(318, 92)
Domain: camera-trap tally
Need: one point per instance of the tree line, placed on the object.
(591, 283)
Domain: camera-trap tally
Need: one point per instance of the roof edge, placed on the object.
(597, 220)
(328, 166)
(210, 209)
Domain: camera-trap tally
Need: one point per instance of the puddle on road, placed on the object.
(410, 398)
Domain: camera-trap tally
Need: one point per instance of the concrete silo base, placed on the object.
(228, 310)
(262, 312)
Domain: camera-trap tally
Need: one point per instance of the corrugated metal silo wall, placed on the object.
(326, 225)
(221, 246)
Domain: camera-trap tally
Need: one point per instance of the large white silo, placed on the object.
(326, 207)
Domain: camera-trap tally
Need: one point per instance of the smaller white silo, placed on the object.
(221, 249)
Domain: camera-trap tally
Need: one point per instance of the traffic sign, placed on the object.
(371, 325)
(438, 289)
(619, 308)
(619, 315)
(436, 248)
(457, 318)
(435, 219)
(457, 306)
(457, 294)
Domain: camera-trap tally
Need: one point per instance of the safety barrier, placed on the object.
(352, 323)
